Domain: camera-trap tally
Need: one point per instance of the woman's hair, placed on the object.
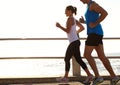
(73, 9)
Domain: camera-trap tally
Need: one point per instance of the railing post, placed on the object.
(75, 67)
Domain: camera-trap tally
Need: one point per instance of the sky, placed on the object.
(37, 18)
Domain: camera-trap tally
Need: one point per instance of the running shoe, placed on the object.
(98, 80)
(62, 80)
(115, 80)
(88, 79)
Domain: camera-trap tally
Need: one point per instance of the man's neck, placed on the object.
(89, 1)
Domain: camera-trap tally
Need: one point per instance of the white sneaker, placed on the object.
(98, 80)
(62, 80)
(115, 80)
(88, 79)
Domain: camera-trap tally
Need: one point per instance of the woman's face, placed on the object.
(68, 12)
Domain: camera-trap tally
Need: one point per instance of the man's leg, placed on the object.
(90, 59)
(100, 51)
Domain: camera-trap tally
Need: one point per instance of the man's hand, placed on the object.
(92, 25)
(81, 20)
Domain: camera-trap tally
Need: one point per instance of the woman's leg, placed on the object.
(77, 55)
(68, 56)
(67, 65)
(100, 51)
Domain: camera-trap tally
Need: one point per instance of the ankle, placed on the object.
(98, 76)
(65, 77)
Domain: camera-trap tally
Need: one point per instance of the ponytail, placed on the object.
(73, 9)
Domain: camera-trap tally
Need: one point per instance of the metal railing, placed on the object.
(116, 38)
(76, 67)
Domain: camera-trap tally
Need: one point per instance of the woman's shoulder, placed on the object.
(71, 19)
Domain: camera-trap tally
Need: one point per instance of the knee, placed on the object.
(105, 60)
(87, 56)
(79, 60)
(66, 60)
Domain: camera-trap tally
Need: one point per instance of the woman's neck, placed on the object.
(70, 16)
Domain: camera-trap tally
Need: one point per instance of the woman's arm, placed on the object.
(81, 27)
(70, 22)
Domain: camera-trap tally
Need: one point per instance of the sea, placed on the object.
(36, 67)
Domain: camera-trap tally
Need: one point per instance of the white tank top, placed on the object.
(72, 35)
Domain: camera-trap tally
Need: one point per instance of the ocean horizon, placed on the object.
(49, 48)
(37, 68)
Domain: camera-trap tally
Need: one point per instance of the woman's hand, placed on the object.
(58, 25)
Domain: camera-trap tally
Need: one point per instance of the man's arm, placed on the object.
(103, 13)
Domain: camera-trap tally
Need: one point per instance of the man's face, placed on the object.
(83, 1)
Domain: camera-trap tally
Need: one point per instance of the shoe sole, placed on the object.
(115, 82)
(98, 83)
(87, 83)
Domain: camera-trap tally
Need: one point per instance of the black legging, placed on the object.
(74, 50)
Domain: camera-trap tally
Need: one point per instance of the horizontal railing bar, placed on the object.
(52, 38)
(111, 57)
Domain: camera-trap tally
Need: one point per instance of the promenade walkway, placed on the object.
(48, 81)
(70, 83)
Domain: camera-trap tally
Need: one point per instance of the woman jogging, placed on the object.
(74, 46)
(95, 14)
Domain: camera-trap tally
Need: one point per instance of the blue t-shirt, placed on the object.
(92, 16)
